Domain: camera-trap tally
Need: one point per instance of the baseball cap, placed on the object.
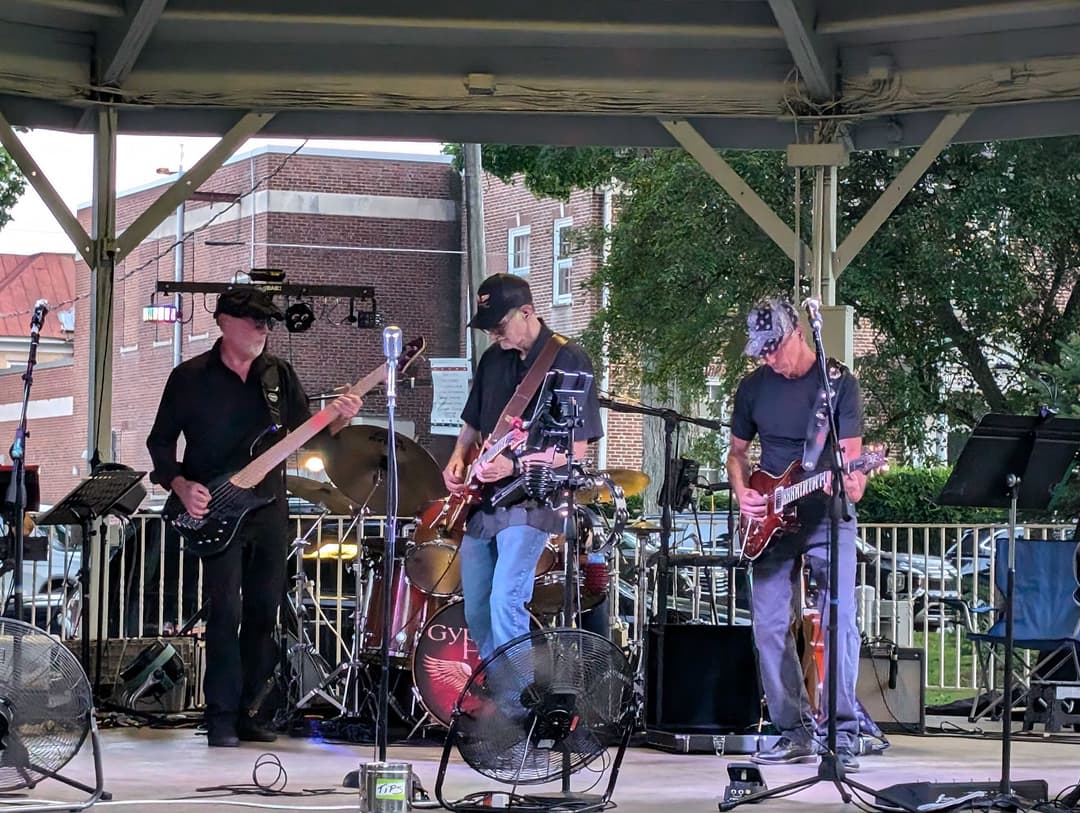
(248, 301)
(498, 295)
(769, 323)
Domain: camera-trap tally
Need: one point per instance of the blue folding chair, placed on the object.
(1046, 619)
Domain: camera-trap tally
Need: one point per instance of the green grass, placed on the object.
(941, 653)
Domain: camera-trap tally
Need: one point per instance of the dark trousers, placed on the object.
(244, 585)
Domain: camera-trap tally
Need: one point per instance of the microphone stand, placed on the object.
(16, 493)
(392, 348)
(830, 769)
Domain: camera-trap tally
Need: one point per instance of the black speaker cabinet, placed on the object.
(891, 689)
(702, 679)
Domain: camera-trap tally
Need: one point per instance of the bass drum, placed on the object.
(434, 567)
(444, 660)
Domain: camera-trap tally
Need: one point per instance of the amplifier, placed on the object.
(702, 682)
(891, 687)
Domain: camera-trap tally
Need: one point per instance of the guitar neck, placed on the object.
(815, 482)
(254, 472)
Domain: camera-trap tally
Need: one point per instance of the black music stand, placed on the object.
(93, 498)
(1014, 462)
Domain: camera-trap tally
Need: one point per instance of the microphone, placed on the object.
(391, 342)
(813, 312)
(41, 308)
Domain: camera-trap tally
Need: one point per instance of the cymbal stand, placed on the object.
(350, 673)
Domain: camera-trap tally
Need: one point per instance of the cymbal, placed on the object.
(356, 464)
(643, 526)
(317, 493)
(633, 482)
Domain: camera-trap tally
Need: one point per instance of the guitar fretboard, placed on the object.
(816, 482)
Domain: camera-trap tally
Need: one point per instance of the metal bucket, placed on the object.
(386, 787)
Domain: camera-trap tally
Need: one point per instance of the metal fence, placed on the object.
(909, 578)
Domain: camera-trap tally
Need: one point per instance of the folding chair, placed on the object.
(1046, 619)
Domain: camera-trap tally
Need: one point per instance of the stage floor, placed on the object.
(145, 764)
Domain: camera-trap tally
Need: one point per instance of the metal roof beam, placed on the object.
(886, 204)
(747, 199)
(189, 182)
(120, 43)
(815, 59)
(29, 167)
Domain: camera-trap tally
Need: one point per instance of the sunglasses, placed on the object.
(500, 329)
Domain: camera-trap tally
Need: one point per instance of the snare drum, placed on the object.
(434, 567)
(409, 610)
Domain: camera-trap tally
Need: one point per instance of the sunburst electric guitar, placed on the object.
(233, 497)
(784, 491)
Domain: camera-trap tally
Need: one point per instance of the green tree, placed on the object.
(12, 186)
(971, 277)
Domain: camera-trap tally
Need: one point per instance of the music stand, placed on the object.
(93, 498)
(1013, 461)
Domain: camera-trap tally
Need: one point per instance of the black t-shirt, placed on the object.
(499, 373)
(778, 411)
(223, 419)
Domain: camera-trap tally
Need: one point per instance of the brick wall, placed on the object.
(417, 290)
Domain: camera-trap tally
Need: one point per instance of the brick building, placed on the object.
(324, 217)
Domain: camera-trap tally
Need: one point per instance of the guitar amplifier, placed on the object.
(891, 688)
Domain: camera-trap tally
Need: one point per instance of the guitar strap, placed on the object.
(271, 387)
(528, 387)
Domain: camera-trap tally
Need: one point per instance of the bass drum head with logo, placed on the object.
(444, 659)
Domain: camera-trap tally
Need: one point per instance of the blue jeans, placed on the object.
(497, 581)
(776, 577)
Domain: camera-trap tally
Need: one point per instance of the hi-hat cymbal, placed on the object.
(632, 481)
(643, 526)
(357, 464)
(317, 493)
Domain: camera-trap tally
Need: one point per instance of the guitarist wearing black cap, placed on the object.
(228, 402)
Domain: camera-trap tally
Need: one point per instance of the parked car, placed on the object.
(52, 599)
(924, 580)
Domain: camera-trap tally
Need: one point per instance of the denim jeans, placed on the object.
(775, 579)
(497, 581)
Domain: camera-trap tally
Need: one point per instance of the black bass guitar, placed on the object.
(233, 497)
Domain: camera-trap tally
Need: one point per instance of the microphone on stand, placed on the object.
(813, 312)
(391, 342)
(41, 308)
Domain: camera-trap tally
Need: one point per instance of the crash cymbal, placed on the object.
(356, 464)
(317, 493)
(643, 526)
(633, 482)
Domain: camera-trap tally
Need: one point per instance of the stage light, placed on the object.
(161, 314)
(299, 317)
(314, 464)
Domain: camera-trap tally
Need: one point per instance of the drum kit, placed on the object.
(427, 633)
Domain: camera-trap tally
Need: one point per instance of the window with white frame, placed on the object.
(562, 262)
(517, 250)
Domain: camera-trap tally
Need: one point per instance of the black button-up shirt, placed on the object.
(224, 420)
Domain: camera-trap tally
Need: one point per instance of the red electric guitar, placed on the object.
(787, 489)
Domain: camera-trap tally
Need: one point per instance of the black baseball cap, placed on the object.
(248, 301)
(498, 295)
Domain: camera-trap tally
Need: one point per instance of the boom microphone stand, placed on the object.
(830, 769)
(16, 493)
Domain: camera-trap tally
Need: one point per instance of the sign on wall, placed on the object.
(450, 385)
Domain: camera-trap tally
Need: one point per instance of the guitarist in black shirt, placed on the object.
(220, 401)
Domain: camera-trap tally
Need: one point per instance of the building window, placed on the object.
(562, 262)
(517, 251)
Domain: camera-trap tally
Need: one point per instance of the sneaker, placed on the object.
(847, 758)
(249, 730)
(785, 752)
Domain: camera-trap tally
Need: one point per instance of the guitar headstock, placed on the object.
(410, 353)
(874, 459)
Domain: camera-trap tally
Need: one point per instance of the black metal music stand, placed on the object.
(93, 498)
(1014, 462)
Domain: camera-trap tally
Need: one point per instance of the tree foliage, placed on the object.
(970, 284)
(12, 186)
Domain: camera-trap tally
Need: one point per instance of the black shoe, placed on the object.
(847, 758)
(785, 752)
(222, 736)
(249, 730)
